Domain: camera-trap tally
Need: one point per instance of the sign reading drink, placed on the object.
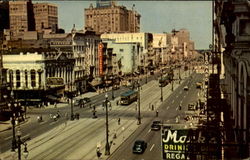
(173, 143)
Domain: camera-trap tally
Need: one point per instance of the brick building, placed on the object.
(21, 17)
(46, 16)
(112, 19)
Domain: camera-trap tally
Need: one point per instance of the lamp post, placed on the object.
(107, 147)
(146, 75)
(139, 105)
(19, 143)
(71, 103)
(12, 105)
(179, 75)
(161, 88)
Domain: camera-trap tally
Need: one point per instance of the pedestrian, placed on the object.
(119, 121)
(179, 107)
(157, 113)
(152, 107)
(55, 105)
(117, 102)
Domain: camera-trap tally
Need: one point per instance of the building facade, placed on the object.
(144, 39)
(46, 16)
(83, 45)
(29, 75)
(231, 43)
(21, 17)
(112, 19)
(124, 56)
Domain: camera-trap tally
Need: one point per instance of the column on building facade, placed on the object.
(56, 71)
(242, 78)
(37, 78)
(29, 80)
(64, 75)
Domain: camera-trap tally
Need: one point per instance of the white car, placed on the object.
(185, 88)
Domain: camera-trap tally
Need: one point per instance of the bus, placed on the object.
(164, 80)
(128, 97)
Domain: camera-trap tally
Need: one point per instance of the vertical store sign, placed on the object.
(100, 55)
(174, 144)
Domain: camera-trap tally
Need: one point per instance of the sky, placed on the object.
(156, 17)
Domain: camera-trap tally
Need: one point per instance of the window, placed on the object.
(26, 78)
(18, 78)
(121, 50)
(11, 78)
(33, 78)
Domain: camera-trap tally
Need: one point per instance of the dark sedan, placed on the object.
(139, 146)
(156, 126)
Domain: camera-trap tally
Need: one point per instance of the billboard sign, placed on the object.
(174, 144)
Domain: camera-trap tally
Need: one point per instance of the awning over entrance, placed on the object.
(95, 83)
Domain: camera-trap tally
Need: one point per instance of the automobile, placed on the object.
(185, 88)
(139, 146)
(86, 99)
(191, 107)
(156, 125)
(82, 101)
(116, 87)
(198, 85)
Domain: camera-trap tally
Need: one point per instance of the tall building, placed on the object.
(21, 17)
(112, 19)
(46, 16)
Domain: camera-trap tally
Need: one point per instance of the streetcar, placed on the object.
(128, 97)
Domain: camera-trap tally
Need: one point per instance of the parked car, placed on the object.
(139, 146)
(156, 125)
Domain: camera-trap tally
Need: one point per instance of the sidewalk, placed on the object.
(6, 125)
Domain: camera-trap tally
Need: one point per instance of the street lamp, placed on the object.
(71, 103)
(139, 105)
(19, 143)
(12, 106)
(107, 147)
(161, 88)
(146, 75)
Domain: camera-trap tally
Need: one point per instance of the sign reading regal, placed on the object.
(174, 144)
(100, 54)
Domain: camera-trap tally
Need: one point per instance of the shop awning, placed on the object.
(95, 83)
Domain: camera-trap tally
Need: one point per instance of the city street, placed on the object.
(167, 115)
(78, 139)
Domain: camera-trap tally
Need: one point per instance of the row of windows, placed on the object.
(18, 78)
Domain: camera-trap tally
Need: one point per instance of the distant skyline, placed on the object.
(156, 17)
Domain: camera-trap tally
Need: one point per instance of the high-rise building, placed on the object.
(112, 19)
(46, 16)
(21, 17)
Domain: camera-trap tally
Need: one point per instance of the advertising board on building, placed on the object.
(100, 56)
(174, 144)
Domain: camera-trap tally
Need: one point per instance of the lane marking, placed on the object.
(8, 138)
(167, 107)
(152, 147)
(149, 130)
(172, 101)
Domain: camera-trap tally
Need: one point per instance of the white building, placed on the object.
(145, 40)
